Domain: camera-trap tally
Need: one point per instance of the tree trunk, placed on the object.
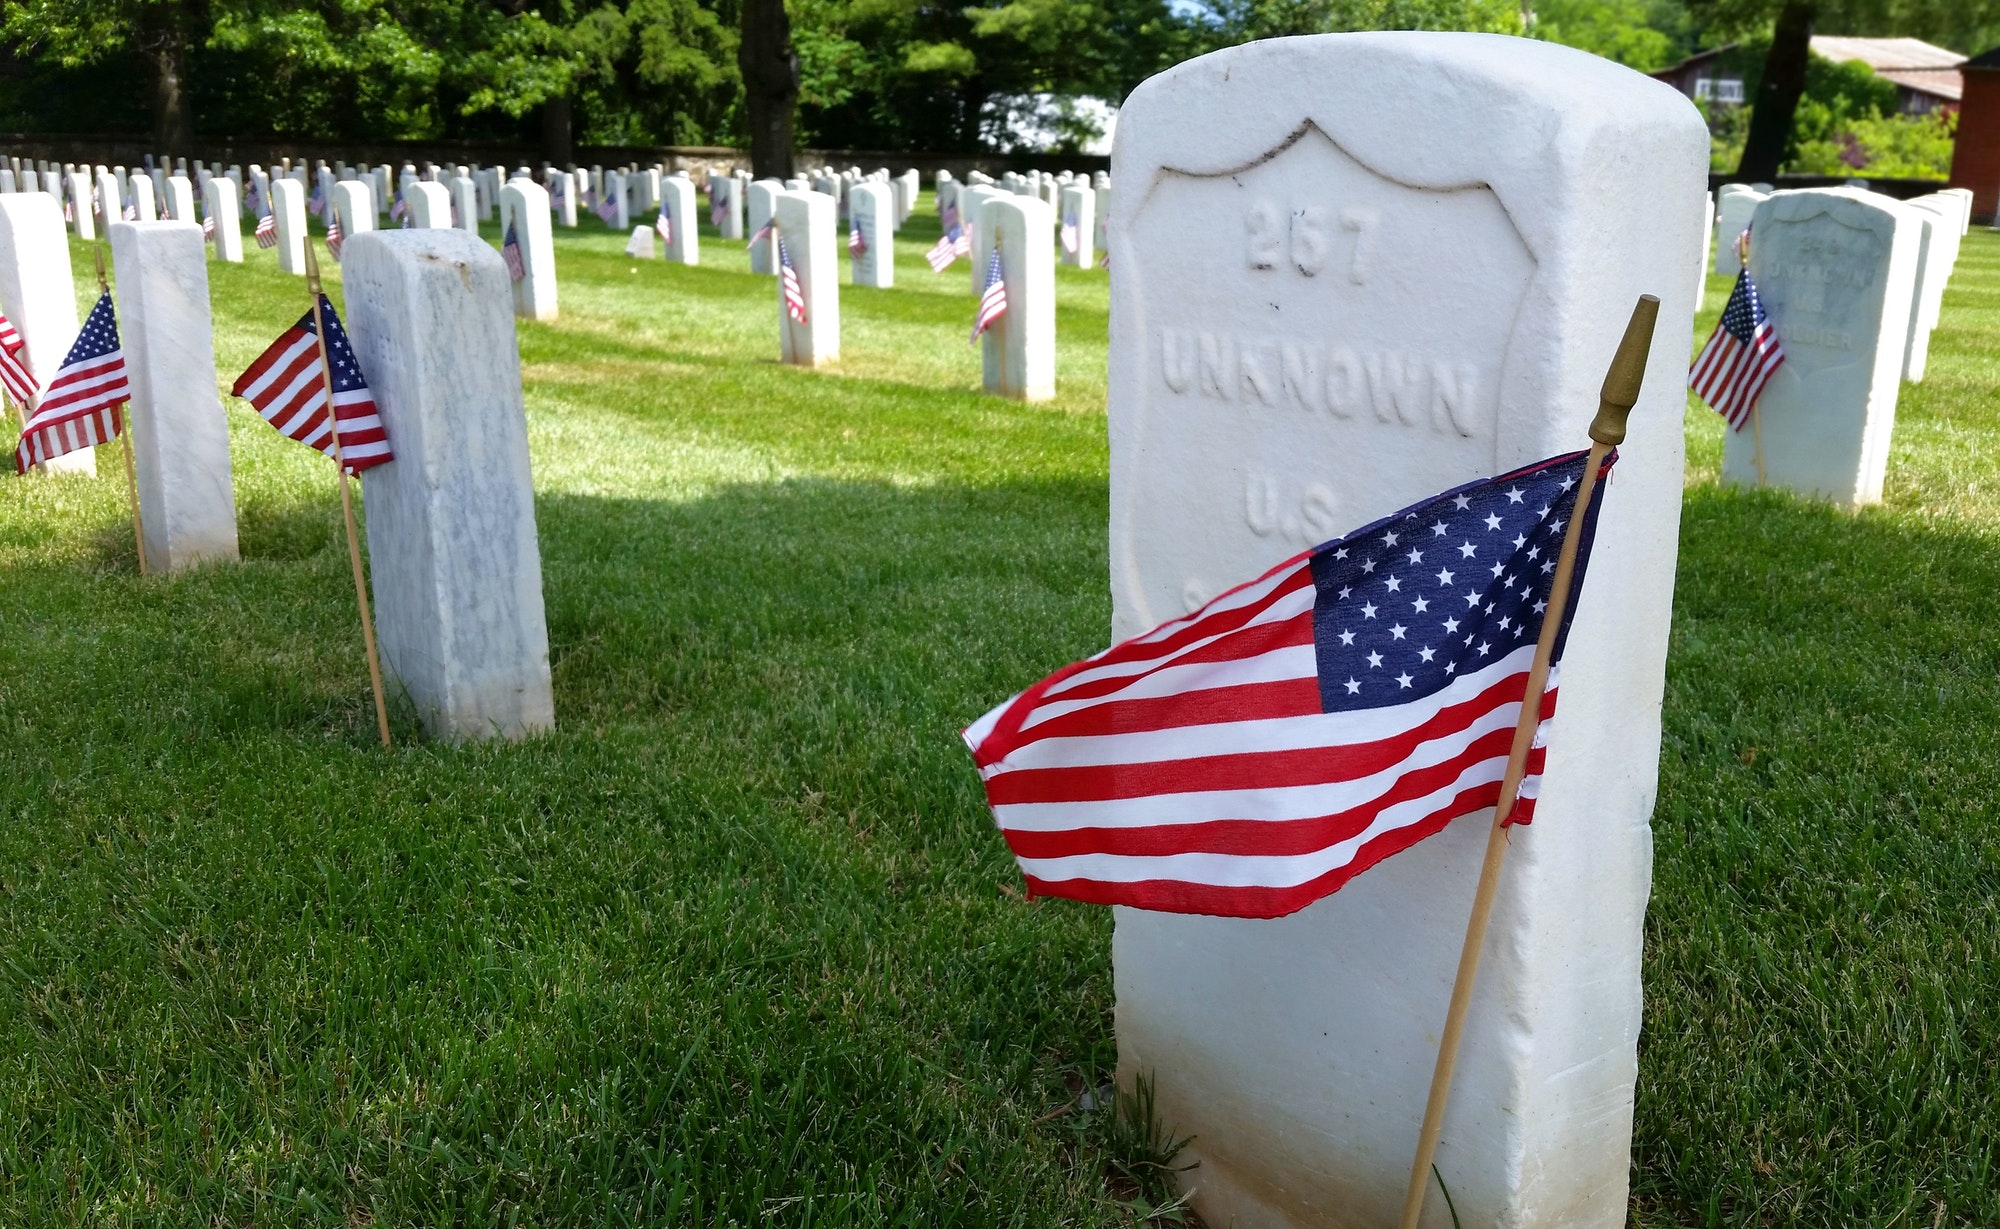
(558, 143)
(1778, 93)
(770, 86)
(173, 121)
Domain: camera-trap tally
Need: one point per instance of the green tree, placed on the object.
(1644, 34)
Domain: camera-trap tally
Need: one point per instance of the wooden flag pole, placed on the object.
(346, 499)
(1756, 412)
(1607, 431)
(125, 437)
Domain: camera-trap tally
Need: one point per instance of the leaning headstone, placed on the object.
(1836, 269)
(640, 245)
(535, 293)
(288, 213)
(761, 197)
(429, 203)
(1319, 316)
(180, 437)
(805, 226)
(224, 207)
(454, 559)
(871, 216)
(1076, 232)
(677, 200)
(39, 296)
(1018, 352)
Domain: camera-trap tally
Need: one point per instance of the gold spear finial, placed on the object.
(1628, 372)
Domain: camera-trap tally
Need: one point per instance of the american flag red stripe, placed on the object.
(1247, 759)
(80, 407)
(333, 238)
(287, 385)
(19, 382)
(795, 295)
(267, 231)
(665, 223)
(857, 240)
(1740, 357)
(992, 303)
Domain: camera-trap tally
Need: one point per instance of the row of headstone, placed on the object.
(455, 565)
(1854, 284)
(1079, 205)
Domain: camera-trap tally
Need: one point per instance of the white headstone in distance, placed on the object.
(354, 205)
(38, 295)
(535, 294)
(1964, 198)
(31, 181)
(1836, 269)
(114, 201)
(1927, 287)
(7, 180)
(641, 243)
(180, 199)
(180, 437)
(907, 185)
(379, 194)
(947, 195)
(288, 211)
(1018, 351)
(1076, 231)
(1102, 193)
(1353, 271)
(1734, 206)
(1764, 188)
(727, 204)
(454, 559)
(221, 203)
(872, 215)
(760, 200)
(464, 202)
(429, 204)
(564, 201)
(77, 183)
(678, 201)
(806, 227)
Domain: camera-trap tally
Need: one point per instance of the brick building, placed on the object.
(1975, 157)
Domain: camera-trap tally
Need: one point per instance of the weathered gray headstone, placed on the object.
(454, 559)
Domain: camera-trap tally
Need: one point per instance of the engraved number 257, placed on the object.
(1305, 231)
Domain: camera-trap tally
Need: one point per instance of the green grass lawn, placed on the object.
(738, 944)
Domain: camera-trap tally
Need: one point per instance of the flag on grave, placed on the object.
(1249, 758)
(1068, 233)
(80, 407)
(1740, 357)
(317, 205)
(795, 295)
(763, 233)
(208, 229)
(718, 208)
(945, 250)
(334, 239)
(993, 303)
(267, 229)
(665, 223)
(510, 251)
(607, 209)
(253, 200)
(14, 374)
(287, 384)
(857, 240)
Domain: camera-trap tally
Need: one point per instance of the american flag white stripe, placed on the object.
(80, 407)
(1739, 358)
(19, 382)
(993, 302)
(794, 294)
(287, 385)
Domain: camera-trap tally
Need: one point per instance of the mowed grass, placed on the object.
(737, 944)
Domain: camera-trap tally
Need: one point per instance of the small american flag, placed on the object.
(129, 212)
(857, 240)
(208, 229)
(945, 250)
(1104, 259)
(763, 232)
(19, 382)
(1254, 756)
(718, 208)
(607, 209)
(993, 303)
(1740, 357)
(267, 230)
(1068, 233)
(333, 236)
(288, 388)
(665, 223)
(510, 251)
(80, 407)
(253, 199)
(317, 204)
(795, 295)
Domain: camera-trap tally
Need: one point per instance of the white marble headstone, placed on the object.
(1836, 269)
(677, 198)
(38, 294)
(872, 215)
(221, 203)
(1018, 351)
(454, 559)
(761, 199)
(1352, 271)
(527, 202)
(180, 437)
(805, 224)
